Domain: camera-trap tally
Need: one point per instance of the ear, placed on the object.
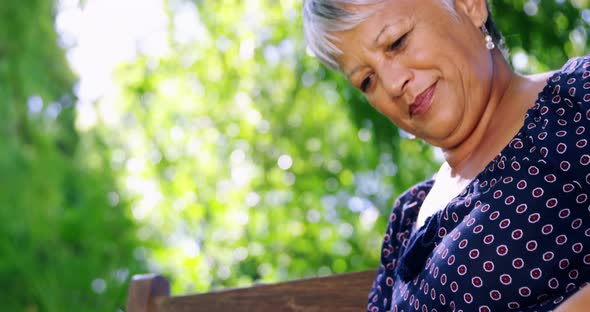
(475, 10)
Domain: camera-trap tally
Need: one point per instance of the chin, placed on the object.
(440, 137)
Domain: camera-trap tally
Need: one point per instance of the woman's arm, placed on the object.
(579, 302)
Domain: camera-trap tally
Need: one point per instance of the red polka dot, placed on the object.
(536, 273)
(477, 281)
(463, 244)
(564, 263)
(576, 224)
(577, 247)
(553, 283)
(533, 218)
(494, 215)
(477, 229)
(495, 295)
(509, 200)
(462, 269)
(518, 263)
(565, 165)
(513, 305)
(505, 279)
(547, 229)
(568, 187)
(531, 245)
(524, 291)
(548, 256)
(488, 266)
(564, 213)
(516, 234)
(497, 194)
(504, 223)
(451, 260)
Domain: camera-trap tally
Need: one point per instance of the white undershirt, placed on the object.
(445, 188)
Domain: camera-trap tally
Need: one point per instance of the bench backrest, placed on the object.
(342, 292)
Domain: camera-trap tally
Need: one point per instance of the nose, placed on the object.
(394, 78)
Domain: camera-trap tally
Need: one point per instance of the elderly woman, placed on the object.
(505, 223)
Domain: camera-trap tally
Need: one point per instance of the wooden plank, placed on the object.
(342, 293)
(145, 291)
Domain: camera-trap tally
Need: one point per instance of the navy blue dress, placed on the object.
(518, 236)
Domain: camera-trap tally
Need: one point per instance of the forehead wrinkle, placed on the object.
(365, 11)
(375, 42)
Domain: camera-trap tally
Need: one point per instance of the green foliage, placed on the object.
(234, 159)
(65, 245)
(555, 32)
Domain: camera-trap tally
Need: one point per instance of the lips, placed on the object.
(422, 102)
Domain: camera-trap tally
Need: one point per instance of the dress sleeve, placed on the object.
(401, 220)
(559, 125)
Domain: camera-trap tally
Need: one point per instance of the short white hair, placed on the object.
(321, 18)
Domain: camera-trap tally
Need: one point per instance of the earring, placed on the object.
(487, 37)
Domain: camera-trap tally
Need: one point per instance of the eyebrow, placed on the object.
(357, 68)
(381, 33)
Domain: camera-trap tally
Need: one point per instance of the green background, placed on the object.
(234, 159)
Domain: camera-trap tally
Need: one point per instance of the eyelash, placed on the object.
(396, 45)
(365, 83)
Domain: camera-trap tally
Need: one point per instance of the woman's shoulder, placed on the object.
(577, 66)
(557, 125)
(571, 83)
(566, 95)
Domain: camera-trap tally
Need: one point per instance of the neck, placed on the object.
(461, 157)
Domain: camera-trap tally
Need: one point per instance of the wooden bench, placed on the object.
(342, 292)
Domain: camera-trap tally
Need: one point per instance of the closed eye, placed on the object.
(366, 83)
(398, 43)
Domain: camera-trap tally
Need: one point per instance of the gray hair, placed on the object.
(321, 18)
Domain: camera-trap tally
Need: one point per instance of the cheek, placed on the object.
(391, 112)
(385, 107)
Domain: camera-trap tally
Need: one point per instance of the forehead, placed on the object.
(384, 17)
(379, 13)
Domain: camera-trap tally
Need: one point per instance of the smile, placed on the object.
(423, 101)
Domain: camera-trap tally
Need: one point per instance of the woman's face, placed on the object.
(421, 65)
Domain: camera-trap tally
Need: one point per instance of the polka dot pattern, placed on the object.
(518, 237)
